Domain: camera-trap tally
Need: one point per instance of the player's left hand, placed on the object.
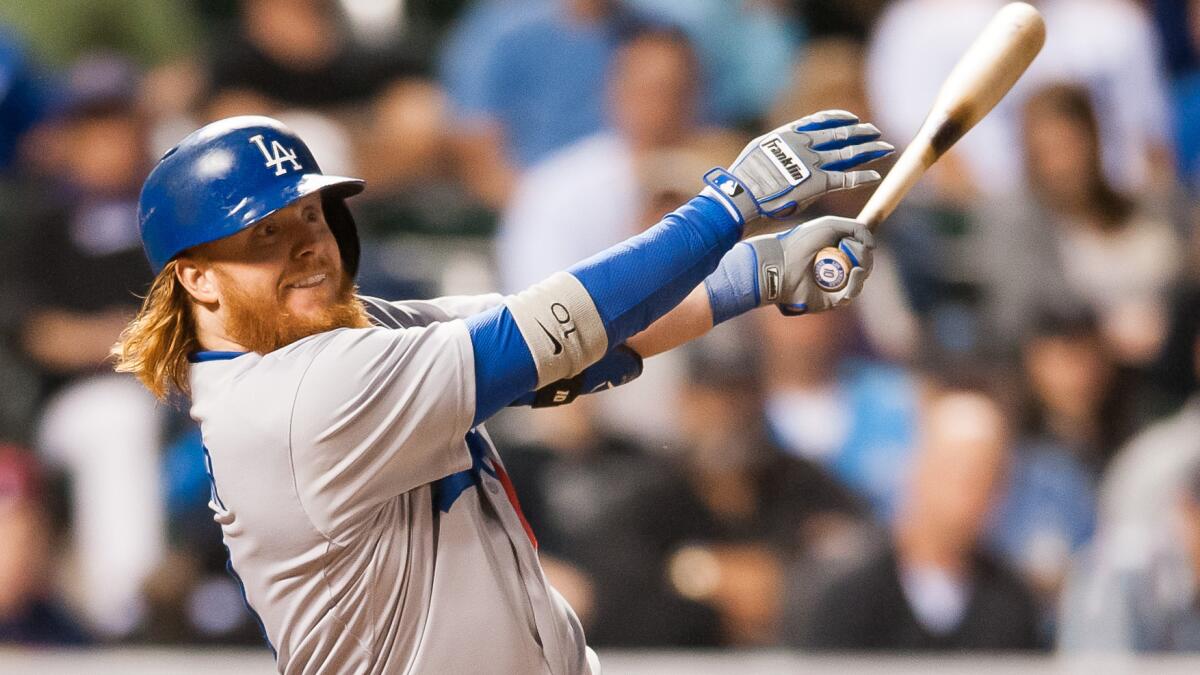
(781, 172)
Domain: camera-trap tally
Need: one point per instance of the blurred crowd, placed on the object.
(996, 447)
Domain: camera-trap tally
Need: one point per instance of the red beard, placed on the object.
(261, 324)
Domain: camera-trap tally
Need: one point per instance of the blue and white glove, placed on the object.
(777, 269)
(781, 172)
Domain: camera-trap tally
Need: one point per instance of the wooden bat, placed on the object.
(986, 72)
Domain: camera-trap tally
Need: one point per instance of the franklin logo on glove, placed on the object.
(783, 158)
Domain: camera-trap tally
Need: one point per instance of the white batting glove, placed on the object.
(781, 172)
(777, 269)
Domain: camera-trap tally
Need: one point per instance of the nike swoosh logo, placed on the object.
(553, 340)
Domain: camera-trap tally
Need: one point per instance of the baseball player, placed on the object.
(366, 512)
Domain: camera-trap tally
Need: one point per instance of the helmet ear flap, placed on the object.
(341, 223)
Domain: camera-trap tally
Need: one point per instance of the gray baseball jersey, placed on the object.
(374, 529)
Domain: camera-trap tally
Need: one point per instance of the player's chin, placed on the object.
(310, 302)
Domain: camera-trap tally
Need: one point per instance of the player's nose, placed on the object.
(304, 242)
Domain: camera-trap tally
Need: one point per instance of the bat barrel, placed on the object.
(985, 73)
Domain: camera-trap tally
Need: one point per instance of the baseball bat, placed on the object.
(985, 73)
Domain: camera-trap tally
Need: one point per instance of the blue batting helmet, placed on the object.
(227, 176)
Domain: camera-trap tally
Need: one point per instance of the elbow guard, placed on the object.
(561, 325)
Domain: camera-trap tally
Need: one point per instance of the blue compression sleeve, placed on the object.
(644, 277)
(733, 287)
(631, 284)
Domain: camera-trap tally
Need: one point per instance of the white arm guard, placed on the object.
(560, 325)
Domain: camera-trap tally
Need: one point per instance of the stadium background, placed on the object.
(996, 449)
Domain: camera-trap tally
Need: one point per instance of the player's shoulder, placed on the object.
(401, 314)
(364, 357)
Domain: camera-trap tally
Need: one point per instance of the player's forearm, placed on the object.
(689, 320)
(556, 328)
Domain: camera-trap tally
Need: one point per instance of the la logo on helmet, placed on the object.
(276, 156)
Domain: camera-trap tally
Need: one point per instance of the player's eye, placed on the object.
(311, 215)
(268, 230)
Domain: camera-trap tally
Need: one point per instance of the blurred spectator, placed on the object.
(1079, 240)
(64, 31)
(24, 98)
(1139, 590)
(615, 183)
(80, 266)
(1046, 515)
(1184, 18)
(744, 49)
(592, 498)
(703, 537)
(29, 613)
(298, 53)
(1174, 21)
(1108, 46)
(851, 19)
(1135, 590)
(541, 86)
(1076, 417)
(82, 262)
(430, 236)
(1079, 400)
(854, 416)
(190, 597)
(402, 157)
(752, 509)
(651, 107)
(1145, 475)
(932, 587)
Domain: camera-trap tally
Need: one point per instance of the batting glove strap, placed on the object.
(725, 189)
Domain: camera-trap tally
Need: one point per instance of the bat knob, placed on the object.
(831, 269)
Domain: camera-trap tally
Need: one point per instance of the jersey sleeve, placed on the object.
(377, 413)
(406, 313)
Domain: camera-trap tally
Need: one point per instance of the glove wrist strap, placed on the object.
(731, 193)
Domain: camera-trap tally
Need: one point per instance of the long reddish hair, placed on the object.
(156, 344)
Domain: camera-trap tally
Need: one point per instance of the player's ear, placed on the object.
(197, 279)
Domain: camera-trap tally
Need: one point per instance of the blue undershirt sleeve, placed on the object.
(503, 364)
(631, 284)
(644, 277)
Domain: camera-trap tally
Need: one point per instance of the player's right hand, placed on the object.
(781, 172)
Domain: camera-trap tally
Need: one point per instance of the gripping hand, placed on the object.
(781, 172)
(776, 269)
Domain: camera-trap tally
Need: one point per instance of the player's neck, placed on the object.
(211, 334)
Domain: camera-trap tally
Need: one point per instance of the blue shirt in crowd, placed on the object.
(533, 69)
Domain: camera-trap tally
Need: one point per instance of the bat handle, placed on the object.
(831, 269)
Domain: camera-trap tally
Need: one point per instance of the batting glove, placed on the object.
(777, 269)
(781, 172)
